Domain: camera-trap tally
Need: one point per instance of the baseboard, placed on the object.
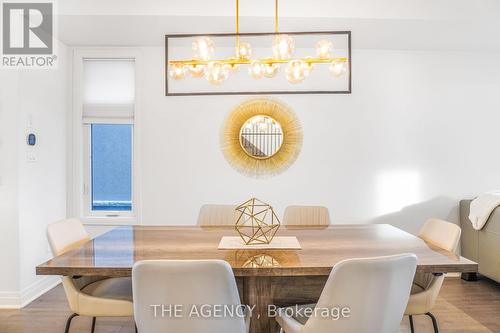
(38, 288)
(17, 300)
(10, 300)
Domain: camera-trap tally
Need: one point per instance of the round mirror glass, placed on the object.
(261, 137)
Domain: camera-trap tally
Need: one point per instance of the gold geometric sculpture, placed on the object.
(282, 122)
(257, 223)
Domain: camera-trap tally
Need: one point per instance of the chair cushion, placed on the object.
(422, 299)
(110, 297)
(114, 288)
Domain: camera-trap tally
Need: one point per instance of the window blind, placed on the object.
(108, 90)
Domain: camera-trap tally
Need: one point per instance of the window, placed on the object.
(111, 167)
(107, 96)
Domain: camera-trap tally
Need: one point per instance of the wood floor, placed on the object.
(468, 307)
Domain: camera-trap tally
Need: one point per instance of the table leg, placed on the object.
(280, 291)
(257, 291)
(469, 276)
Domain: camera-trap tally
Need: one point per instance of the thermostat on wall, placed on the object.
(31, 139)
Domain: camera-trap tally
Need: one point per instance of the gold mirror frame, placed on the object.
(258, 167)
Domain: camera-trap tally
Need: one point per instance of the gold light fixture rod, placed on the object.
(276, 16)
(237, 24)
(237, 16)
(264, 61)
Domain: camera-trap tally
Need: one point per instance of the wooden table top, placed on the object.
(115, 252)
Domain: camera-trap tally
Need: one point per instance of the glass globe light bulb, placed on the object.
(324, 49)
(270, 70)
(203, 48)
(338, 68)
(244, 51)
(295, 72)
(176, 71)
(196, 70)
(256, 69)
(216, 73)
(283, 47)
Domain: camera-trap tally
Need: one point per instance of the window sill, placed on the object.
(109, 221)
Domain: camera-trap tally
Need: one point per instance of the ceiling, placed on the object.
(460, 25)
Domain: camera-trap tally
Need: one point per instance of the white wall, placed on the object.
(42, 184)
(32, 194)
(418, 133)
(9, 254)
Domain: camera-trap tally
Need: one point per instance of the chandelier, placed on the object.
(296, 69)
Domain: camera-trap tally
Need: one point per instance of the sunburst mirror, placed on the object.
(261, 137)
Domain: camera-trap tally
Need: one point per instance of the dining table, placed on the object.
(281, 277)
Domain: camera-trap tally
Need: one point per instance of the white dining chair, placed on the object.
(89, 296)
(374, 290)
(159, 285)
(306, 216)
(217, 215)
(426, 286)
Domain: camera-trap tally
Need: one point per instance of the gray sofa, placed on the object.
(481, 246)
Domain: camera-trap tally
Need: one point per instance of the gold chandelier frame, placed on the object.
(235, 61)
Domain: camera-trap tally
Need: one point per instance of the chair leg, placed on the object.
(412, 328)
(68, 322)
(135, 328)
(93, 325)
(434, 322)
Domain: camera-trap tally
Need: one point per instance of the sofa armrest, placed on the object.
(469, 240)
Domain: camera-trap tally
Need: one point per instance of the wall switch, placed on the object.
(30, 157)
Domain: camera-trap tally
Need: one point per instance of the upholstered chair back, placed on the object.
(217, 215)
(185, 284)
(443, 234)
(306, 215)
(376, 291)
